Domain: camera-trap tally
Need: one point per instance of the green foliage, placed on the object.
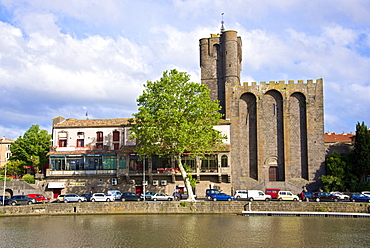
(32, 147)
(350, 171)
(28, 179)
(183, 204)
(175, 116)
(7, 178)
(15, 167)
(332, 183)
(361, 152)
(335, 174)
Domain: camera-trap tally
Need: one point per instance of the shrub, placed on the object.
(28, 179)
(7, 178)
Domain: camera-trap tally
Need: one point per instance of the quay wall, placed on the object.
(180, 207)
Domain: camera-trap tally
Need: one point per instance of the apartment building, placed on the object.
(97, 155)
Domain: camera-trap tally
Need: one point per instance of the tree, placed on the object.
(335, 173)
(32, 147)
(361, 153)
(15, 167)
(176, 116)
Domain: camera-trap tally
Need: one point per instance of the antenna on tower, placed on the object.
(222, 23)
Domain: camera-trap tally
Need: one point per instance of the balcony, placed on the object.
(79, 172)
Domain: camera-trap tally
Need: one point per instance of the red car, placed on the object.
(39, 198)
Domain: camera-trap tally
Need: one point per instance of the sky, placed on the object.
(90, 59)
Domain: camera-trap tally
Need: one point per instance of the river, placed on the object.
(186, 230)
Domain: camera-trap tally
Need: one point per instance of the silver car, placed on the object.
(162, 197)
(73, 198)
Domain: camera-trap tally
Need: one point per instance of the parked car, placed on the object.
(272, 192)
(20, 200)
(366, 193)
(210, 192)
(148, 195)
(181, 196)
(324, 196)
(241, 194)
(116, 193)
(222, 197)
(162, 197)
(102, 197)
(284, 195)
(1, 200)
(39, 198)
(342, 197)
(60, 198)
(252, 195)
(357, 197)
(127, 196)
(305, 195)
(87, 196)
(73, 198)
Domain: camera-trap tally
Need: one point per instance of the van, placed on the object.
(257, 195)
(116, 193)
(273, 193)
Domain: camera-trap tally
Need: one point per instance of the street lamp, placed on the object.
(4, 185)
(144, 178)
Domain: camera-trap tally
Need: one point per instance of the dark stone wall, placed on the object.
(277, 128)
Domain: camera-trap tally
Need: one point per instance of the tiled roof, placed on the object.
(72, 122)
(338, 137)
(4, 140)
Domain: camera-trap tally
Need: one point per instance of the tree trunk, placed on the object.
(191, 196)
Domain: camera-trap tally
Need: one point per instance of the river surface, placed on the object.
(186, 230)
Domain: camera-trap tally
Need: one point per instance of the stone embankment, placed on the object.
(180, 207)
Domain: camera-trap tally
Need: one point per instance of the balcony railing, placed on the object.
(80, 172)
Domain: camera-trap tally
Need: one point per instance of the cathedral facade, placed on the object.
(277, 127)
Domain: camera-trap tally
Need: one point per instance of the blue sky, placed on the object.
(66, 58)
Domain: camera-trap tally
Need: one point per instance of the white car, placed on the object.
(102, 197)
(366, 193)
(287, 196)
(162, 197)
(341, 196)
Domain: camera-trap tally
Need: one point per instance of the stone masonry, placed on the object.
(277, 127)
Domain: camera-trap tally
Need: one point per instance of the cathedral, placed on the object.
(276, 127)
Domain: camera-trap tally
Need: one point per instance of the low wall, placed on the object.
(180, 207)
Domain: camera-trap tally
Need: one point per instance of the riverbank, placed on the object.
(181, 207)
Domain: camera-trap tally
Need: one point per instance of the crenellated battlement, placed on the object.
(289, 82)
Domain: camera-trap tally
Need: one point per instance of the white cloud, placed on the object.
(68, 57)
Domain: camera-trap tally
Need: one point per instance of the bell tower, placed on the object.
(220, 62)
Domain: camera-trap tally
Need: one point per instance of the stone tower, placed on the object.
(277, 128)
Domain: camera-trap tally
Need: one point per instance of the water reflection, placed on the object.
(183, 231)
